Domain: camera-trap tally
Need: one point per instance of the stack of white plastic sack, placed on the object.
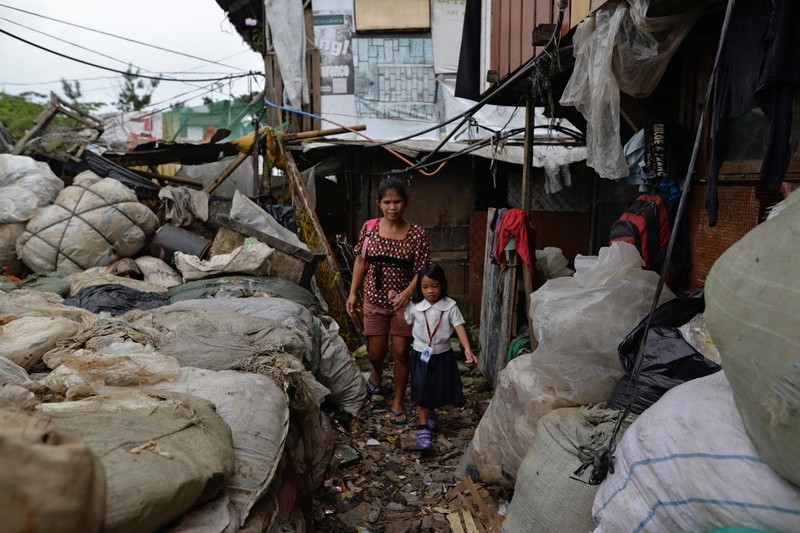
(578, 321)
(34, 323)
(91, 372)
(752, 310)
(25, 186)
(93, 222)
(687, 464)
(226, 333)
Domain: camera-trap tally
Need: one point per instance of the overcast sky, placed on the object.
(194, 27)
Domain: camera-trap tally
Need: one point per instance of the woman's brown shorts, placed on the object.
(380, 321)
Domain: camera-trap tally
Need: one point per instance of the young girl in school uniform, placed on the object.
(435, 380)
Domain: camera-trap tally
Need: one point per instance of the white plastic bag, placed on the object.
(25, 185)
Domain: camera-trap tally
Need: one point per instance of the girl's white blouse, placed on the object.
(417, 313)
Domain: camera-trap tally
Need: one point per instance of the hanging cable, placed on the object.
(107, 34)
(398, 155)
(110, 69)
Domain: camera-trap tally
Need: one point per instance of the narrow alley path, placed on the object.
(379, 482)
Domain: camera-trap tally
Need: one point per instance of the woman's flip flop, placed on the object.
(398, 418)
(373, 387)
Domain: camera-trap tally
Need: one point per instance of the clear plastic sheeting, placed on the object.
(620, 48)
(579, 321)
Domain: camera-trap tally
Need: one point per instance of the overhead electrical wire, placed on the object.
(520, 72)
(360, 134)
(108, 34)
(71, 43)
(111, 69)
(206, 90)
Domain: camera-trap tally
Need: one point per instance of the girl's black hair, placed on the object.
(434, 272)
(392, 184)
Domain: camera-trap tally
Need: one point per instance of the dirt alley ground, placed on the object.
(379, 482)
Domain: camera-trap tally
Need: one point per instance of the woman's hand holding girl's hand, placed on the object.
(399, 300)
(471, 358)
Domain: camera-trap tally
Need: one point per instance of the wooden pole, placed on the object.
(42, 121)
(335, 293)
(174, 179)
(527, 278)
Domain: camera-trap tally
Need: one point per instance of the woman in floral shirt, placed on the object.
(392, 250)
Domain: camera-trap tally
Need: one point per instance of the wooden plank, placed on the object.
(526, 193)
(455, 522)
(469, 522)
(469, 507)
(483, 509)
(329, 278)
(496, 320)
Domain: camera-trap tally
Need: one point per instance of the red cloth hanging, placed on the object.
(515, 224)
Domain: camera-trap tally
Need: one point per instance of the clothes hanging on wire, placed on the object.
(759, 67)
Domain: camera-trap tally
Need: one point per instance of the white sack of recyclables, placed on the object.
(579, 321)
(93, 222)
(251, 259)
(687, 464)
(25, 186)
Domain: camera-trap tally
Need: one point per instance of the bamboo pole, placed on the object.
(175, 179)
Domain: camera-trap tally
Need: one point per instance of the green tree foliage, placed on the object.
(135, 93)
(18, 112)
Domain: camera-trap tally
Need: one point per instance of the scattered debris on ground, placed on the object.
(380, 482)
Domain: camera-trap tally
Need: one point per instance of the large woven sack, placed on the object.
(257, 411)
(548, 495)
(687, 464)
(93, 222)
(752, 310)
(162, 452)
(49, 482)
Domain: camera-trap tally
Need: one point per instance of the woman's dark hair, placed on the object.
(392, 184)
(434, 272)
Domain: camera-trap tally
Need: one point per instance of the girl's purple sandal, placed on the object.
(433, 422)
(424, 439)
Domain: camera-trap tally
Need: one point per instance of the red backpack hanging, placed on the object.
(645, 224)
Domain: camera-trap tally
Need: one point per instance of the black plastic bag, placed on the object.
(116, 299)
(668, 359)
